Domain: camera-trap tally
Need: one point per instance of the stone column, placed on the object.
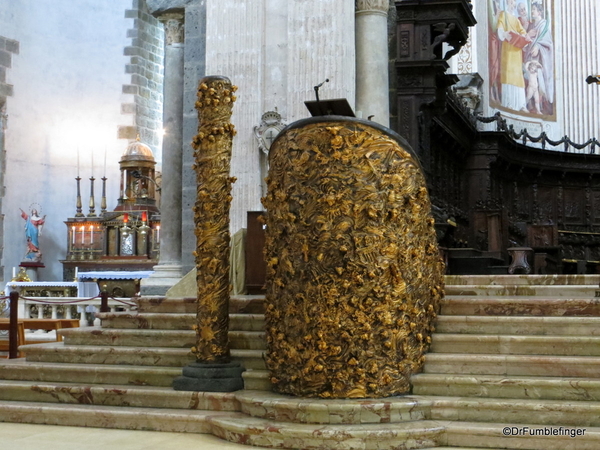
(372, 79)
(169, 268)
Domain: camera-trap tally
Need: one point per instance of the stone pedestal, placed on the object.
(372, 79)
(207, 377)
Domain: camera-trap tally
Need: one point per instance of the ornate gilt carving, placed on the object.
(354, 277)
(372, 5)
(212, 153)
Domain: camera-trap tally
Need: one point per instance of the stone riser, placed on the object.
(558, 291)
(156, 338)
(238, 304)
(58, 353)
(518, 387)
(492, 410)
(520, 280)
(249, 359)
(116, 395)
(146, 321)
(518, 365)
(499, 306)
(259, 432)
(503, 325)
(257, 380)
(103, 374)
(129, 337)
(516, 345)
(246, 322)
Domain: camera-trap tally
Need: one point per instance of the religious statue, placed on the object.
(33, 229)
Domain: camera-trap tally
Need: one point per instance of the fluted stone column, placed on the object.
(372, 79)
(169, 268)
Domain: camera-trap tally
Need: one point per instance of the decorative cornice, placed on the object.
(372, 6)
(174, 28)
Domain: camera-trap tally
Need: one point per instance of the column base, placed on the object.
(165, 276)
(210, 377)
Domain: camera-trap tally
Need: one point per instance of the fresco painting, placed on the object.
(521, 57)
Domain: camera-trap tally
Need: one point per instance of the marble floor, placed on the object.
(33, 437)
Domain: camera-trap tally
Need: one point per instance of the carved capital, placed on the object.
(372, 5)
(174, 28)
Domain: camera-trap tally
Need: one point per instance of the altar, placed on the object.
(118, 283)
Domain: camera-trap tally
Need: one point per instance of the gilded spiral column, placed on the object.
(212, 153)
(354, 276)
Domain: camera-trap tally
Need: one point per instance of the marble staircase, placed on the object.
(509, 351)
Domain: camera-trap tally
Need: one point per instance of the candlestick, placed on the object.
(103, 201)
(92, 202)
(78, 204)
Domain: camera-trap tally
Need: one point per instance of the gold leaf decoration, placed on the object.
(212, 153)
(354, 278)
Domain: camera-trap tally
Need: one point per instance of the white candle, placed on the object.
(76, 272)
(91, 234)
(73, 235)
(82, 235)
(14, 272)
(158, 233)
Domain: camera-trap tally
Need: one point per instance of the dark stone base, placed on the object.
(210, 377)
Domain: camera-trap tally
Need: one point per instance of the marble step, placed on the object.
(238, 304)
(155, 321)
(117, 417)
(530, 325)
(174, 321)
(507, 386)
(522, 306)
(518, 365)
(516, 345)
(128, 337)
(154, 338)
(515, 411)
(265, 433)
(58, 352)
(507, 280)
(492, 435)
(549, 291)
(257, 380)
(115, 395)
(249, 359)
(19, 369)
(287, 408)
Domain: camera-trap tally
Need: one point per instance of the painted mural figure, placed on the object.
(521, 57)
(33, 229)
(541, 50)
(514, 38)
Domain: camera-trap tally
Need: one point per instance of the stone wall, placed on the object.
(8, 47)
(144, 92)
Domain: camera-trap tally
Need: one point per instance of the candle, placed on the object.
(158, 233)
(125, 218)
(82, 235)
(144, 216)
(14, 272)
(91, 234)
(76, 272)
(73, 234)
